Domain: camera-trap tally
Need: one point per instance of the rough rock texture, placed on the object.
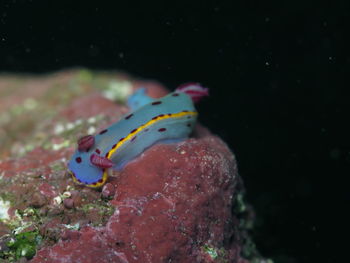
(175, 203)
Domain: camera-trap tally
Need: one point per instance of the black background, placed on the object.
(277, 73)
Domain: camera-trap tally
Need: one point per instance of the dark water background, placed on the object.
(277, 73)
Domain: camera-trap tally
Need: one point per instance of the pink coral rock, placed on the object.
(172, 202)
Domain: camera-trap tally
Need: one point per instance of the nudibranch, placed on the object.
(150, 121)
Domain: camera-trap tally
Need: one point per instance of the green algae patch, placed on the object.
(216, 254)
(240, 206)
(21, 245)
(211, 251)
(101, 212)
(245, 215)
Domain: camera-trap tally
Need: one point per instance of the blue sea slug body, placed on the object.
(150, 121)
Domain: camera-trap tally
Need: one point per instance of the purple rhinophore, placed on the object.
(99, 161)
(194, 90)
(86, 142)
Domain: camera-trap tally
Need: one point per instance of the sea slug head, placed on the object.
(86, 166)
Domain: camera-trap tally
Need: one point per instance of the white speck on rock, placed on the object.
(70, 126)
(91, 130)
(59, 128)
(66, 195)
(4, 207)
(118, 90)
(78, 122)
(72, 227)
(57, 200)
(91, 120)
(59, 146)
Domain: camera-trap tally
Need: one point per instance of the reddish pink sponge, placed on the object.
(171, 204)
